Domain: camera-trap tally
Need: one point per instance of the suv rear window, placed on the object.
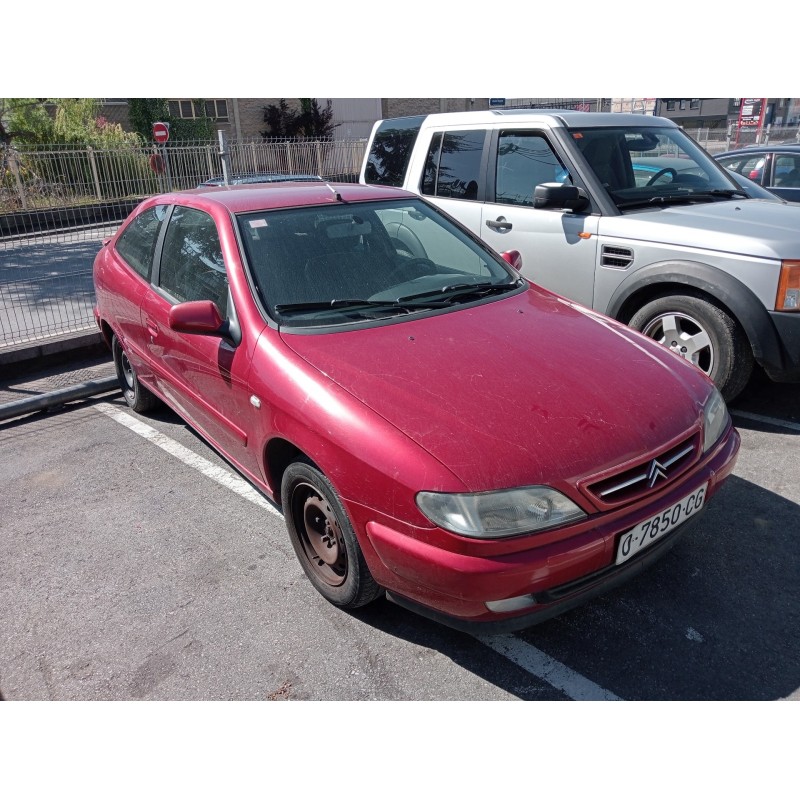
(453, 165)
(391, 151)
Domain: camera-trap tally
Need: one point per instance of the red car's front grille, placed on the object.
(647, 476)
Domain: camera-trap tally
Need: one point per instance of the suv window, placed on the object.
(391, 150)
(192, 267)
(453, 163)
(137, 243)
(524, 160)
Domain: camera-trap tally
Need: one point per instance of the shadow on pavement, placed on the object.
(716, 619)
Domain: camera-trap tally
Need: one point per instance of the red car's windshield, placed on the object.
(344, 263)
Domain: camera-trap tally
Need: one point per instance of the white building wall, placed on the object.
(355, 116)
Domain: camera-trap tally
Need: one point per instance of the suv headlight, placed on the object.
(492, 515)
(715, 419)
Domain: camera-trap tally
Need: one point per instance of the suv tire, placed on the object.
(702, 333)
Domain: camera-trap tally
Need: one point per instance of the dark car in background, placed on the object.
(661, 170)
(775, 167)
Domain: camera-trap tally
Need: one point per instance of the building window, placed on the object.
(192, 109)
(683, 105)
(217, 109)
(695, 103)
(670, 105)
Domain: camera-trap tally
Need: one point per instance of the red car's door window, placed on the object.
(137, 243)
(204, 376)
(192, 267)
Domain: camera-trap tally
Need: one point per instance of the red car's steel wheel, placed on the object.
(320, 535)
(323, 537)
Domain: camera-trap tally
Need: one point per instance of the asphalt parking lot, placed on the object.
(138, 565)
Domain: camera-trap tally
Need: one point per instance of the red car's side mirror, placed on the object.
(514, 258)
(197, 316)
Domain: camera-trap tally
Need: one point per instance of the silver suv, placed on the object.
(623, 213)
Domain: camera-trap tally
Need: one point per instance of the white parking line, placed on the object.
(778, 423)
(537, 663)
(218, 474)
(524, 655)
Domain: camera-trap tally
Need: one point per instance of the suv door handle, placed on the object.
(500, 224)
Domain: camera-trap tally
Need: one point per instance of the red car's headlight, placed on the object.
(715, 419)
(493, 515)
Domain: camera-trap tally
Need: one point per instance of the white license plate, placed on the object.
(651, 530)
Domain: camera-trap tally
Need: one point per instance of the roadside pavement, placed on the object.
(49, 366)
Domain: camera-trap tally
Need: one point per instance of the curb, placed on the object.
(17, 360)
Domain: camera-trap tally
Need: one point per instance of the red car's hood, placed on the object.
(523, 390)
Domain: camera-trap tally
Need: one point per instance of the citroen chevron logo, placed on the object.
(656, 471)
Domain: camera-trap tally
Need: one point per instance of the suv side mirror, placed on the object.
(560, 195)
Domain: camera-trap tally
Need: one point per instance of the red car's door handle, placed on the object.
(152, 329)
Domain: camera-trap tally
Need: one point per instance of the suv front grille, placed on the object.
(647, 476)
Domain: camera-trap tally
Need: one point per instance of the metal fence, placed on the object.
(47, 176)
(733, 137)
(46, 284)
(57, 203)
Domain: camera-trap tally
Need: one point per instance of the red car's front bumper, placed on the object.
(455, 587)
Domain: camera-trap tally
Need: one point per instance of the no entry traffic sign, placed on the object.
(161, 132)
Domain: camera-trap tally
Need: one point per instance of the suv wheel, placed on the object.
(702, 333)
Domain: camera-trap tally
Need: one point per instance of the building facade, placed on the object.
(716, 112)
(242, 119)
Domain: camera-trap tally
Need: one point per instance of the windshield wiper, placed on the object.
(686, 197)
(447, 295)
(354, 303)
(728, 193)
(458, 290)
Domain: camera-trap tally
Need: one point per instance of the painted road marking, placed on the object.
(534, 661)
(524, 655)
(222, 476)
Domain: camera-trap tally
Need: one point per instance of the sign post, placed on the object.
(223, 155)
(751, 115)
(161, 132)
(161, 136)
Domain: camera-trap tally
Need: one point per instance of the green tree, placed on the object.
(78, 121)
(61, 121)
(280, 120)
(315, 121)
(310, 121)
(24, 120)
